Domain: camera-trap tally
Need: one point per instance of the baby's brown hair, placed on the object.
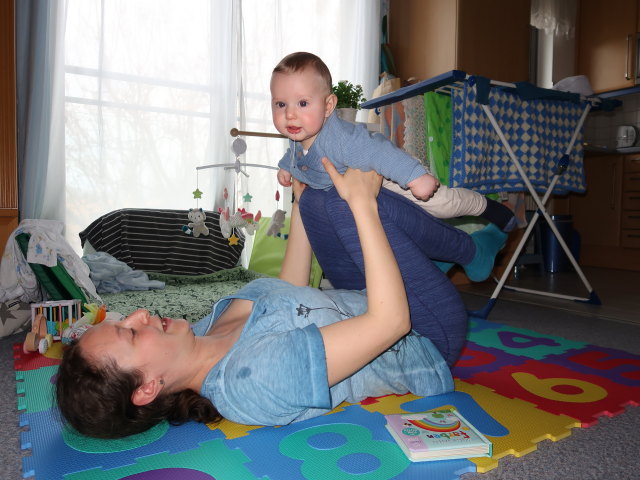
(299, 61)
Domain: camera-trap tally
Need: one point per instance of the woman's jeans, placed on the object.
(416, 237)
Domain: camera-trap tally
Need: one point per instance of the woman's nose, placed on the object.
(139, 316)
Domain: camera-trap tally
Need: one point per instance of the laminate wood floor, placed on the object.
(618, 290)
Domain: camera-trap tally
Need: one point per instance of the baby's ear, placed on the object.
(330, 104)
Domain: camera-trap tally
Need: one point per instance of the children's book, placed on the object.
(437, 435)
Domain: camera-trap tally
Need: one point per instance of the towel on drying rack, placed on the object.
(538, 132)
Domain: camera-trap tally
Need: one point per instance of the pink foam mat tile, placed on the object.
(615, 365)
(561, 391)
(477, 358)
(31, 360)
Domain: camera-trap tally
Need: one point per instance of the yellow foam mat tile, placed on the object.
(527, 424)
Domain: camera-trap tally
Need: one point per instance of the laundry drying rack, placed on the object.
(538, 133)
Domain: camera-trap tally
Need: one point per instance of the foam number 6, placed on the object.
(325, 451)
(549, 388)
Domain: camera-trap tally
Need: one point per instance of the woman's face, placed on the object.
(141, 341)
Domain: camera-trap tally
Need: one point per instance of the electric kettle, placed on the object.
(626, 136)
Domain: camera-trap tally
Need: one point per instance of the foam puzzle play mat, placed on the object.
(516, 386)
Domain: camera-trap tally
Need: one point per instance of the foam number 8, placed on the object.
(325, 451)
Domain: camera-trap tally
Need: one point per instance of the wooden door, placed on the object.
(8, 166)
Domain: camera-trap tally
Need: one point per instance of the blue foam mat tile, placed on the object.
(51, 458)
(211, 460)
(349, 444)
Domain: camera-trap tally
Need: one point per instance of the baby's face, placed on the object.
(300, 103)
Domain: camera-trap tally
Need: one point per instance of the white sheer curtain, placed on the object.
(152, 88)
(150, 91)
(40, 105)
(346, 35)
(555, 17)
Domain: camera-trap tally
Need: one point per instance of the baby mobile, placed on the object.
(241, 219)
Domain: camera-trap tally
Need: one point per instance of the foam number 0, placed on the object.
(324, 462)
(589, 392)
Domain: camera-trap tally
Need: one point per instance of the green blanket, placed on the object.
(189, 297)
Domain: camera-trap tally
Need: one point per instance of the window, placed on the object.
(153, 87)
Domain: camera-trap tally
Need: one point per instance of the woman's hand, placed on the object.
(298, 188)
(296, 265)
(354, 184)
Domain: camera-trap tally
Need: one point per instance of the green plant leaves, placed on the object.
(349, 95)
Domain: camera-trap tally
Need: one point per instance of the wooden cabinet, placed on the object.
(607, 216)
(596, 214)
(630, 221)
(8, 166)
(488, 38)
(607, 43)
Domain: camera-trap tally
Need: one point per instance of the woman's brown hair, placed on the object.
(96, 399)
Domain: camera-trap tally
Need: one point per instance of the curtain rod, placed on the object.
(235, 132)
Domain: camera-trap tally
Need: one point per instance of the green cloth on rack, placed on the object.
(439, 138)
(437, 109)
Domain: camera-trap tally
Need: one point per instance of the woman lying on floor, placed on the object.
(277, 351)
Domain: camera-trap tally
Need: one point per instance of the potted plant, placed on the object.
(349, 99)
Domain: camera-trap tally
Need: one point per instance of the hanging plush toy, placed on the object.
(196, 226)
(240, 219)
(277, 220)
(277, 223)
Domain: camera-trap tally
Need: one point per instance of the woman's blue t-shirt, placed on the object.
(276, 372)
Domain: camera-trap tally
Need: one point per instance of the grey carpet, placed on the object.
(609, 450)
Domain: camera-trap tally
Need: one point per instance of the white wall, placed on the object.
(600, 127)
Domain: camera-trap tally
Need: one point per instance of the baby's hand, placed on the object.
(284, 178)
(424, 187)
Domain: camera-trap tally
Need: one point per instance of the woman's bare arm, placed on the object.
(354, 342)
(296, 265)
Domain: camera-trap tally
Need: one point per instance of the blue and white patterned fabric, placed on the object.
(538, 132)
